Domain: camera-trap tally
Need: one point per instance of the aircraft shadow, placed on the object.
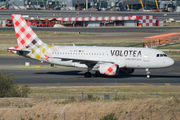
(152, 76)
(81, 74)
(72, 73)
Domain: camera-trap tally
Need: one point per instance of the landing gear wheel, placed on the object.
(148, 73)
(87, 74)
(98, 74)
(148, 76)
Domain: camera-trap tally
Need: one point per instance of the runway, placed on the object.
(72, 77)
(108, 29)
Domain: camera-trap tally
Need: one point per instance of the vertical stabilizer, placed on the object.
(26, 37)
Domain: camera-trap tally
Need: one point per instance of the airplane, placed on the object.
(103, 60)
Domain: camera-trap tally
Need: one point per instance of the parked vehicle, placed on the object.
(9, 23)
(33, 23)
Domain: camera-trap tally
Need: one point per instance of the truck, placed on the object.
(9, 23)
(45, 23)
(33, 23)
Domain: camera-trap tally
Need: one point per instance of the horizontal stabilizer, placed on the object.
(25, 50)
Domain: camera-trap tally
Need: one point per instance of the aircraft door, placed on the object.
(146, 56)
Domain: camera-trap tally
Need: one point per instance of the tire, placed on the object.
(98, 74)
(87, 75)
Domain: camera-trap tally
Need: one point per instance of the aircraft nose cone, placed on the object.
(170, 62)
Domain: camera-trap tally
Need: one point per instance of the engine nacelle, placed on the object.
(109, 69)
(126, 70)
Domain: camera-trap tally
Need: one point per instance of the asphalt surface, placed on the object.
(61, 13)
(71, 77)
(108, 29)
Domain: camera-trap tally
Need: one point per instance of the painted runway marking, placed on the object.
(38, 66)
(167, 84)
(146, 84)
(175, 73)
(123, 84)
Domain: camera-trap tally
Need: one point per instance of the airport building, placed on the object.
(105, 5)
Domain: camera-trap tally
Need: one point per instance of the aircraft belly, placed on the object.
(60, 62)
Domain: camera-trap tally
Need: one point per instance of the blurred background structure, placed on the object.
(93, 5)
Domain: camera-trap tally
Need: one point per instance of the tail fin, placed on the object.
(26, 37)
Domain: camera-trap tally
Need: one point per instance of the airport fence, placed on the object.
(28, 111)
(103, 95)
(32, 114)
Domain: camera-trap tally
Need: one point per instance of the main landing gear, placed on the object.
(148, 73)
(88, 74)
(98, 74)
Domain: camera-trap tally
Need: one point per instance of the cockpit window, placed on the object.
(164, 55)
(161, 55)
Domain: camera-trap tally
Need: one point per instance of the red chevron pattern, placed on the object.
(111, 70)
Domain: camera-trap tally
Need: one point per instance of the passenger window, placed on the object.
(161, 55)
(157, 55)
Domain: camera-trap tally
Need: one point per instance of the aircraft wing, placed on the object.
(87, 61)
(80, 60)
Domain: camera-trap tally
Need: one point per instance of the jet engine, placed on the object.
(109, 69)
(126, 70)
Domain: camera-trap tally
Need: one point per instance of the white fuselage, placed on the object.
(128, 57)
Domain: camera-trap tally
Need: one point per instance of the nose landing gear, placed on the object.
(148, 73)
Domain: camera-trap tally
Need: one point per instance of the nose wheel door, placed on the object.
(146, 56)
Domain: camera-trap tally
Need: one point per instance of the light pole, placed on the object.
(86, 4)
